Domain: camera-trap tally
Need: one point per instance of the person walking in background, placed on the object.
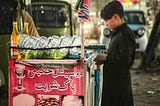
(119, 58)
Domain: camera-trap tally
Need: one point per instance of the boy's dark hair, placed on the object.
(112, 7)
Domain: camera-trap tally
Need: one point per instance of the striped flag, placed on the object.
(82, 9)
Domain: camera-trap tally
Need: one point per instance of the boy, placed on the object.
(117, 90)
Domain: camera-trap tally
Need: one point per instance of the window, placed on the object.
(50, 15)
(132, 17)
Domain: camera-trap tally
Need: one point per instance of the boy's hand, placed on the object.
(100, 58)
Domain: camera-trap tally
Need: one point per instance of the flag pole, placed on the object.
(82, 41)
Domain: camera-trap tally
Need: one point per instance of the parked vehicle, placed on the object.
(53, 17)
(137, 22)
(105, 36)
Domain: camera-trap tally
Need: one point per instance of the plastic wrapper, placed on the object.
(63, 52)
(54, 41)
(75, 52)
(39, 48)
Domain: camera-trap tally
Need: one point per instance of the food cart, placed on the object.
(44, 78)
(47, 82)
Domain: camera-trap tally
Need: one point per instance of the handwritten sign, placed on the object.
(33, 85)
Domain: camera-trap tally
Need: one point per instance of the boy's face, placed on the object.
(111, 23)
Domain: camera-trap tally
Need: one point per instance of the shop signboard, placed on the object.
(46, 83)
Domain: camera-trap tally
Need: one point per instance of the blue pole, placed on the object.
(98, 81)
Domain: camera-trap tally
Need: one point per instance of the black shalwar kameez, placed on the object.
(117, 90)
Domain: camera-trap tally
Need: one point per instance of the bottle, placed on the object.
(25, 30)
(15, 38)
